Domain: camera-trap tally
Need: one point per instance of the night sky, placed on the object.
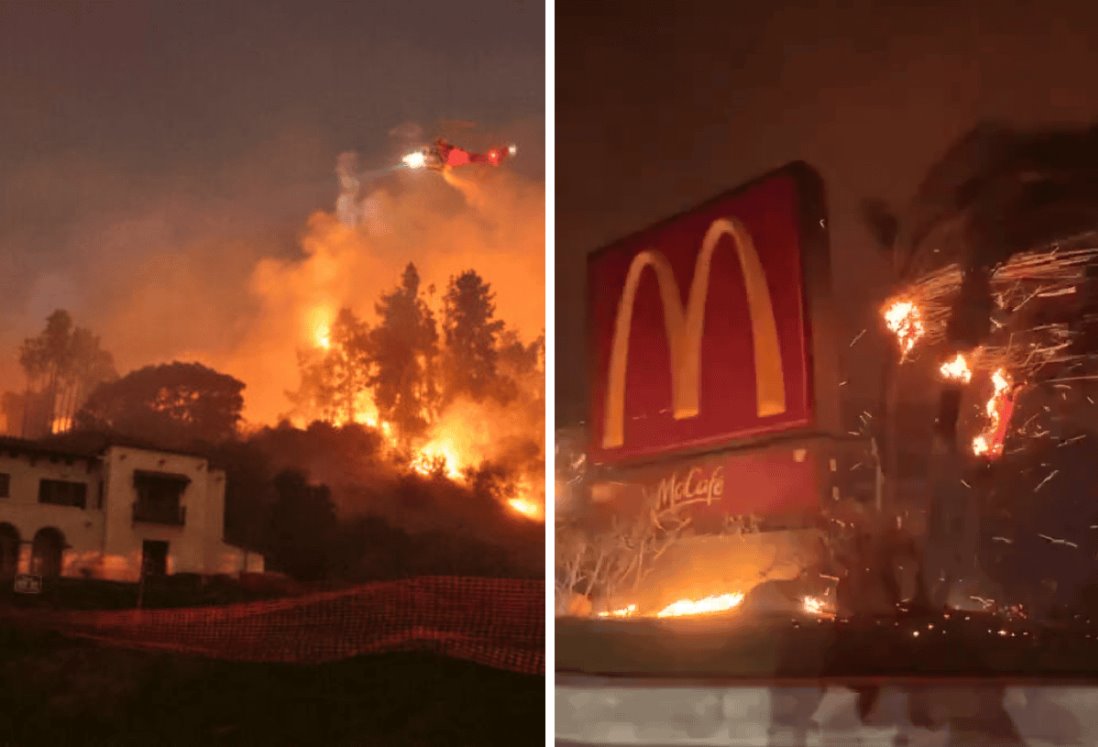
(212, 129)
(659, 109)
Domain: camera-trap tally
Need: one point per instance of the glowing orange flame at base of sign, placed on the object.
(708, 606)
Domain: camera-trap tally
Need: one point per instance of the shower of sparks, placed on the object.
(1022, 289)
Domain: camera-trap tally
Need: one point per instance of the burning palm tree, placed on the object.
(994, 260)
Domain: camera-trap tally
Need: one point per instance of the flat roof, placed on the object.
(89, 446)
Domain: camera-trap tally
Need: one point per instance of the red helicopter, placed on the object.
(442, 155)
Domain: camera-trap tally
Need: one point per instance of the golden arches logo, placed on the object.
(684, 327)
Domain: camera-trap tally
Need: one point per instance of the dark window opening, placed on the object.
(46, 553)
(154, 558)
(63, 493)
(5, 485)
(9, 551)
(159, 498)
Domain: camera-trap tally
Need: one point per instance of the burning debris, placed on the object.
(999, 408)
(904, 319)
(956, 369)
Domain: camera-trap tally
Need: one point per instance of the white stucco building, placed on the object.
(110, 514)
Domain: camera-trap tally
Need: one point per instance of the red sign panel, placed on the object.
(780, 480)
(699, 325)
(762, 483)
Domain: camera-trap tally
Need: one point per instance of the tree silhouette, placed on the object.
(62, 364)
(172, 405)
(249, 492)
(303, 527)
(404, 350)
(471, 331)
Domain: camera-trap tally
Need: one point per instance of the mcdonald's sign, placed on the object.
(708, 329)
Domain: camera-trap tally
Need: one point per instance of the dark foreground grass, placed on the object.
(57, 691)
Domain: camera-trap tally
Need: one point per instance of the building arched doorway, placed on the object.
(46, 551)
(9, 552)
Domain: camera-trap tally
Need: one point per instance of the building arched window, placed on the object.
(46, 551)
(9, 551)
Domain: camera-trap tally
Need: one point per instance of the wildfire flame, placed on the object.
(905, 321)
(527, 508)
(956, 369)
(322, 336)
(437, 455)
(449, 453)
(464, 436)
(707, 606)
(990, 441)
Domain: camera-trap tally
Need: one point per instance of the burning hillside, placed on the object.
(414, 310)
